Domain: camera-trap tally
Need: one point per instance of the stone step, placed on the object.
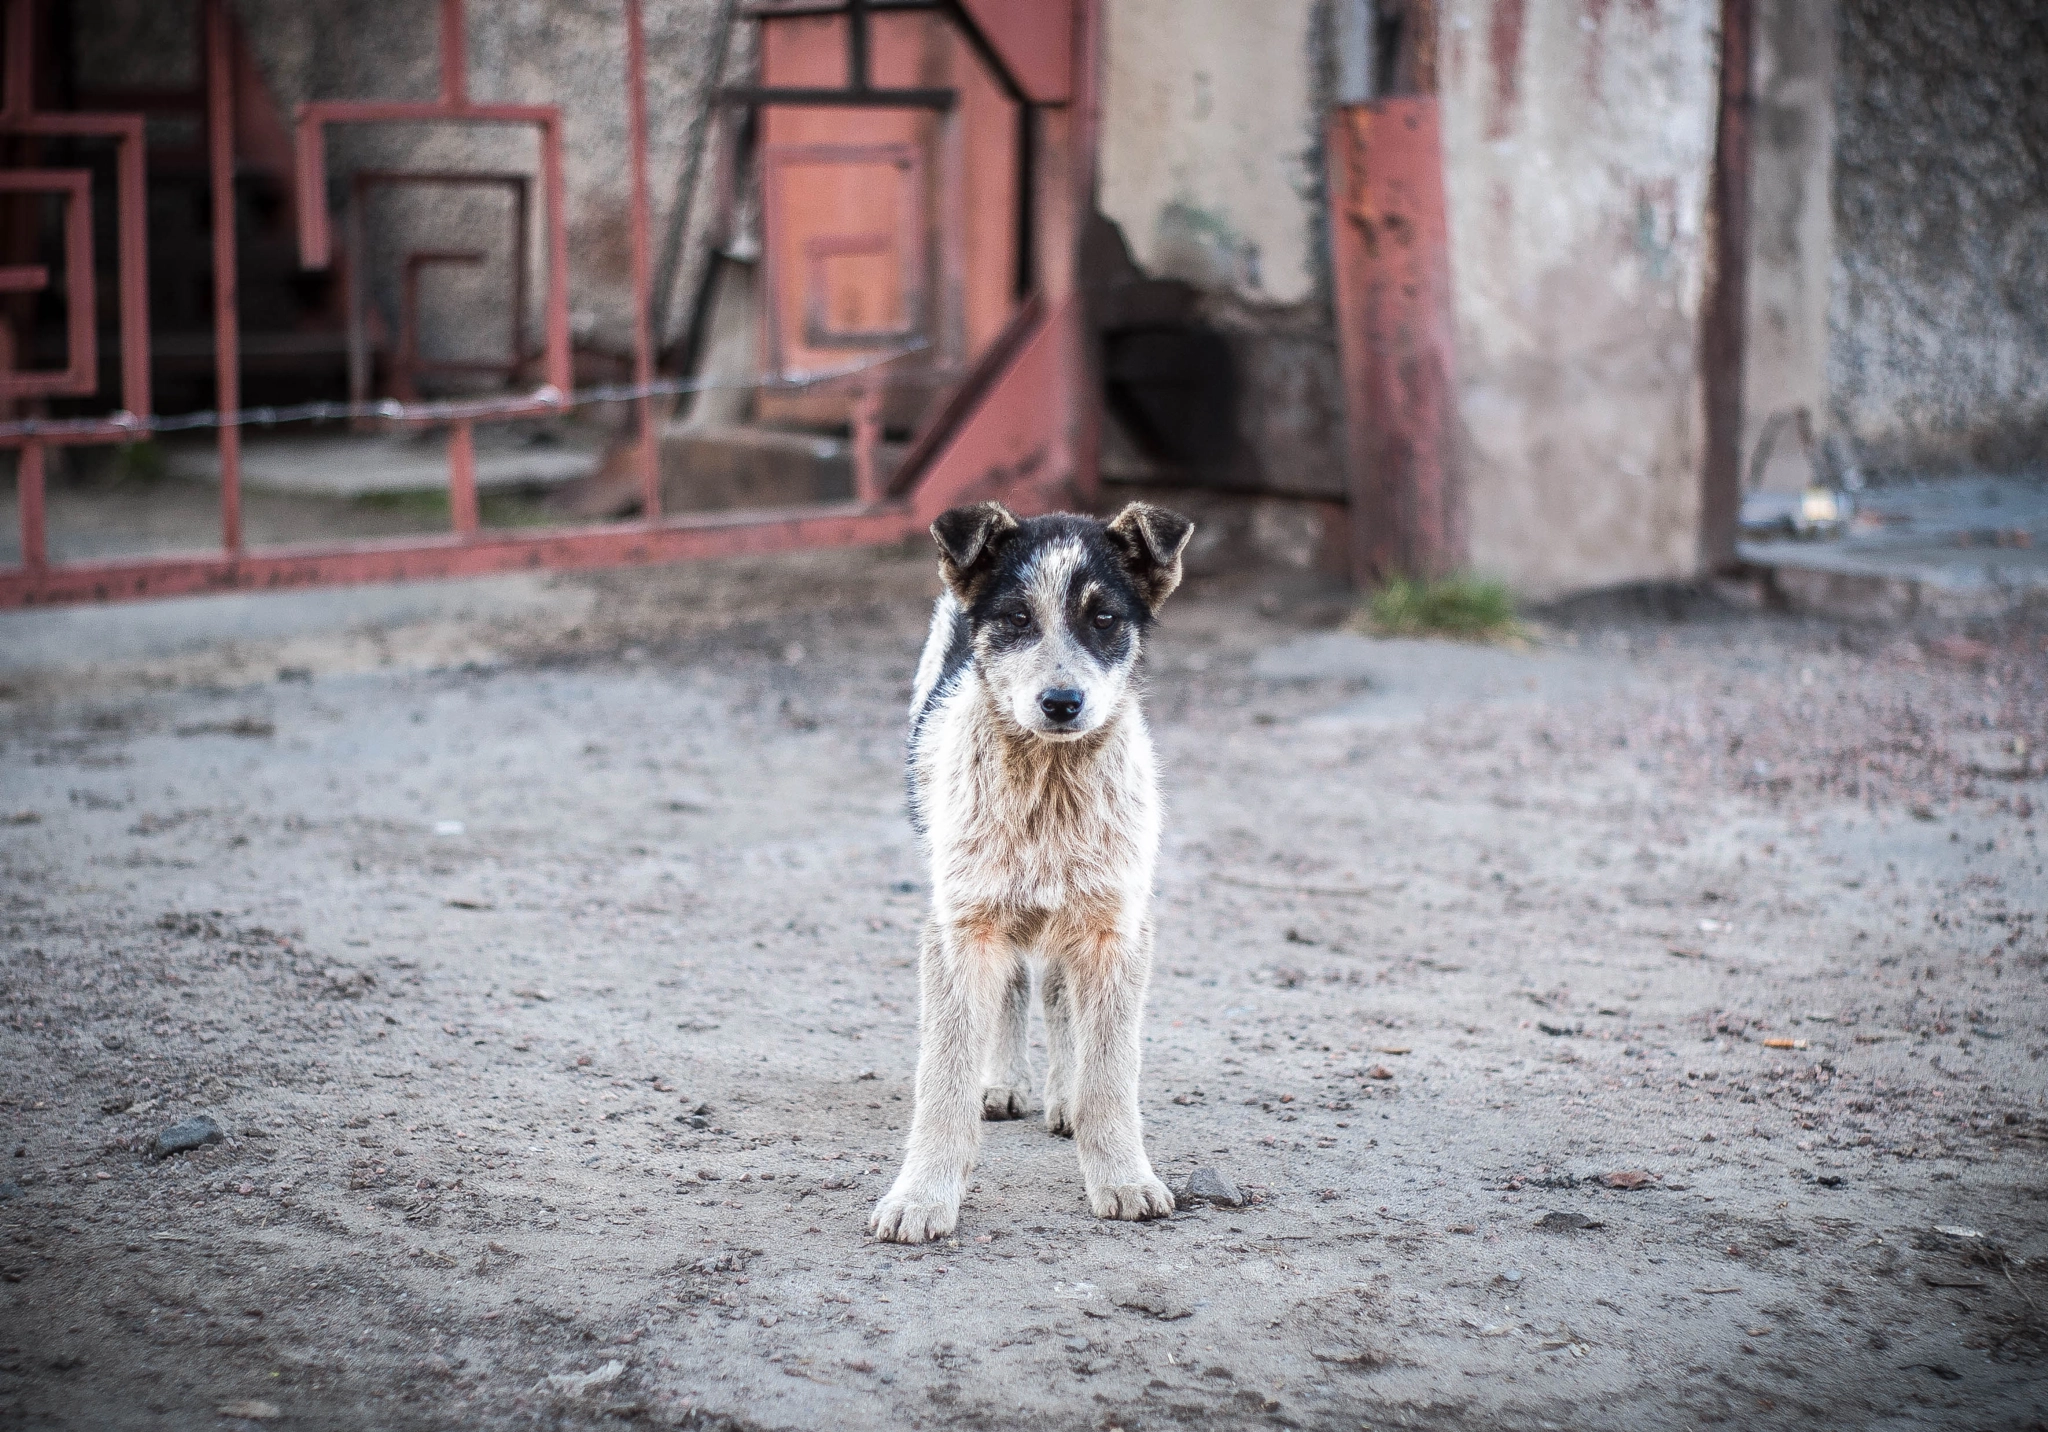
(722, 468)
(359, 464)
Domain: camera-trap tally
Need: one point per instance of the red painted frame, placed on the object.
(81, 372)
(316, 240)
(407, 361)
(18, 115)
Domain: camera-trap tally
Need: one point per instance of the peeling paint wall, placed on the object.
(1579, 139)
(1939, 355)
(1211, 164)
(1579, 145)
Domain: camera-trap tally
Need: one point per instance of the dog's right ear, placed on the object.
(968, 537)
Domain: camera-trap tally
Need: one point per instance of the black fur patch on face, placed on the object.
(980, 543)
(1098, 602)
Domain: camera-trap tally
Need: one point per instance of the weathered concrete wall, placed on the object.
(1939, 353)
(1791, 243)
(1579, 141)
(153, 44)
(1578, 147)
(1290, 415)
(1211, 163)
(566, 52)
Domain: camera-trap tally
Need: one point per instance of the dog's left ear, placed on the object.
(1151, 540)
(967, 538)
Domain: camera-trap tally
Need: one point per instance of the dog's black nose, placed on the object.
(1061, 704)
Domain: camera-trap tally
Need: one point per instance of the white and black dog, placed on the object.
(1033, 784)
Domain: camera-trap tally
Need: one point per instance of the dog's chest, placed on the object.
(1011, 829)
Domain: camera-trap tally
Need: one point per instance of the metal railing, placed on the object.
(1016, 365)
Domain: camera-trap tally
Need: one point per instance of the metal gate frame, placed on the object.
(1019, 426)
(406, 361)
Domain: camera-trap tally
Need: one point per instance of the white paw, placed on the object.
(1005, 1101)
(914, 1217)
(1148, 1199)
(1057, 1119)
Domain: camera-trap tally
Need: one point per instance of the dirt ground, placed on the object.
(1644, 1030)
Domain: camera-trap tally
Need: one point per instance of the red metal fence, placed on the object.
(1014, 426)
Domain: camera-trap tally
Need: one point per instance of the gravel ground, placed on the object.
(1642, 1030)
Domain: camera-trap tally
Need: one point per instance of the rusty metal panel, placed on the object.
(1035, 41)
(844, 245)
(1017, 441)
(936, 259)
(1390, 257)
(842, 272)
(992, 216)
(675, 539)
(841, 178)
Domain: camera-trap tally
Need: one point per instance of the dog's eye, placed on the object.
(1105, 620)
(1020, 620)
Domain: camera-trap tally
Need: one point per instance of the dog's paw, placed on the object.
(1057, 1119)
(913, 1218)
(1149, 1199)
(1005, 1101)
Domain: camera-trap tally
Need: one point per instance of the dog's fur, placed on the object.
(1042, 824)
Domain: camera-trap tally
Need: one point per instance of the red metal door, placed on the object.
(885, 224)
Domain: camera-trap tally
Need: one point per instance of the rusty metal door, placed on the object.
(846, 263)
(886, 224)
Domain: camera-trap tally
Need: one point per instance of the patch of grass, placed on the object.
(424, 503)
(142, 461)
(98, 469)
(1464, 607)
(516, 508)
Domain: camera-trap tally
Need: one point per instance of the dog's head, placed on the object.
(1057, 605)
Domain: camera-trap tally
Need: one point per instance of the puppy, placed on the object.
(1035, 790)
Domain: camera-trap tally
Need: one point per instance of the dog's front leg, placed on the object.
(1106, 979)
(963, 974)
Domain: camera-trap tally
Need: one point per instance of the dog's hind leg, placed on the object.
(1059, 1048)
(1006, 1090)
(963, 971)
(1107, 973)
